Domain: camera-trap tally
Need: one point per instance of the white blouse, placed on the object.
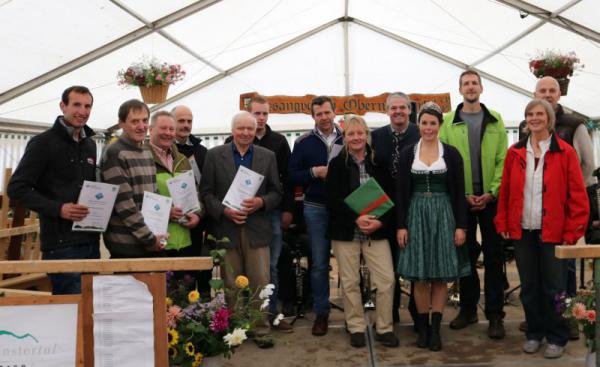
(438, 165)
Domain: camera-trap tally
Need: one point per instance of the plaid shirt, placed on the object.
(363, 176)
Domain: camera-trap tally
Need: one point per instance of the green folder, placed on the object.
(370, 199)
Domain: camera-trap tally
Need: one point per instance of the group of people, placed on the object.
(446, 174)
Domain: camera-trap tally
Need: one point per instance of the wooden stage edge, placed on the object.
(577, 251)
(106, 265)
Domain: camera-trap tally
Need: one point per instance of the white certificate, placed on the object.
(183, 192)
(156, 210)
(244, 186)
(99, 198)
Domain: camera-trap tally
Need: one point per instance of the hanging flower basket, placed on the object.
(558, 65)
(155, 93)
(153, 78)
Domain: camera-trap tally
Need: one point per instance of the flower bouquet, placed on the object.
(557, 65)
(153, 77)
(582, 309)
(199, 328)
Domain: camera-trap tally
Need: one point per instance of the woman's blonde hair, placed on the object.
(352, 121)
(549, 112)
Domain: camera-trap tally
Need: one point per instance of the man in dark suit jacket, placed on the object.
(387, 142)
(249, 229)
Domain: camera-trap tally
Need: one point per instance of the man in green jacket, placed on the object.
(479, 135)
(170, 163)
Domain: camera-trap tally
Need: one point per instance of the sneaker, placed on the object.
(357, 340)
(387, 339)
(573, 329)
(531, 346)
(496, 328)
(463, 320)
(283, 327)
(320, 325)
(553, 351)
(523, 326)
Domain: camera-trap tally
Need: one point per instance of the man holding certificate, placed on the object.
(172, 169)
(247, 226)
(48, 181)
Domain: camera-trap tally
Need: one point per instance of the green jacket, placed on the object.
(494, 144)
(179, 236)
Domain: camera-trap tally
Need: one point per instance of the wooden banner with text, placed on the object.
(357, 103)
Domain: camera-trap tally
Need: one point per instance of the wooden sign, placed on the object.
(357, 104)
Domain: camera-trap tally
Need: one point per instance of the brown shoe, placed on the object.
(283, 327)
(320, 325)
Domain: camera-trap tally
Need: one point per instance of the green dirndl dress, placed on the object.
(430, 253)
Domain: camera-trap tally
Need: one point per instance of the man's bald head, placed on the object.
(183, 118)
(547, 88)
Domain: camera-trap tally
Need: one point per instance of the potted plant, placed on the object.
(582, 310)
(557, 65)
(152, 77)
(204, 330)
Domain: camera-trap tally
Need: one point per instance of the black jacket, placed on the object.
(50, 174)
(197, 149)
(342, 179)
(455, 181)
(278, 144)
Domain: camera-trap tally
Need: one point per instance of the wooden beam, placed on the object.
(578, 251)
(9, 232)
(22, 292)
(106, 265)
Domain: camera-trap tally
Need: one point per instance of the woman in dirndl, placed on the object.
(431, 223)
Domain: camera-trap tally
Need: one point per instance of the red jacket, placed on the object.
(565, 207)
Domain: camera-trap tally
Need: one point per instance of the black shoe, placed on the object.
(320, 325)
(523, 326)
(435, 339)
(357, 340)
(387, 339)
(463, 320)
(496, 328)
(422, 325)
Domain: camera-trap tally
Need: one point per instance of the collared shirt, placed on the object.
(244, 160)
(186, 142)
(363, 176)
(329, 139)
(71, 129)
(165, 156)
(534, 184)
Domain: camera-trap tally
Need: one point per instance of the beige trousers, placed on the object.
(252, 262)
(379, 261)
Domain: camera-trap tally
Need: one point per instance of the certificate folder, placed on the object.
(370, 199)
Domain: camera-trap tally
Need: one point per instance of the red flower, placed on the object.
(591, 316)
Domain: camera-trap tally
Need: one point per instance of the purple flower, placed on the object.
(188, 279)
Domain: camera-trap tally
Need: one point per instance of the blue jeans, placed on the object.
(275, 251)
(316, 219)
(543, 276)
(70, 283)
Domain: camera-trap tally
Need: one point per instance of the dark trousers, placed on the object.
(70, 283)
(543, 276)
(493, 261)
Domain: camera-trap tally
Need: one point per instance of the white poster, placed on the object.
(38, 335)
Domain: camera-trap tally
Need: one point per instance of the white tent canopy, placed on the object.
(335, 47)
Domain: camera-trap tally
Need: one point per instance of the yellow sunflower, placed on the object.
(169, 301)
(189, 349)
(173, 337)
(193, 296)
(172, 352)
(241, 282)
(198, 357)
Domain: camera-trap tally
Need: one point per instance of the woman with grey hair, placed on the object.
(537, 216)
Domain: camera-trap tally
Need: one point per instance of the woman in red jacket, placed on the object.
(542, 203)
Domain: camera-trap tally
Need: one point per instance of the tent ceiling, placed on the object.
(229, 47)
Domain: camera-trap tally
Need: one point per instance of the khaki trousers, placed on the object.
(252, 262)
(379, 261)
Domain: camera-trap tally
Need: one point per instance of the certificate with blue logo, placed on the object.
(156, 210)
(183, 192)
(99, 198)
(245, 185)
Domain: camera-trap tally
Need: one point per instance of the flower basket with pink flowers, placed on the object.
(152, 77)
